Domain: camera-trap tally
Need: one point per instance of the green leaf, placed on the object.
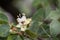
(3, 22)
(35, 26)
(4, 30)
(54, 14)
(44, 31)
(47, 10)
(31, 34)
(3, 18)
(58, 4)
(36, 2)
(14, 37)
(55, 38)
(39, 15)
(55, 27)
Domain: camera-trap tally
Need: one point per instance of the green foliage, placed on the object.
(55, 27)
(14, 37)
(31, 34)
(3, 19)
(39, 15)
(4, 30)
(37, 3)
(37, 28)
(54, 14)
(4, 27)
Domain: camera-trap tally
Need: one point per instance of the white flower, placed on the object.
(23, 22)
(18, 20)
(18, 26)
(27, 21)
(11, 30)
(23, 18)
(23, 28)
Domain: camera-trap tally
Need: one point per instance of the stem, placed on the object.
(44, 30)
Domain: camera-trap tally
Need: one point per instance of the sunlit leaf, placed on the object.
(55, 27)
(4, 30)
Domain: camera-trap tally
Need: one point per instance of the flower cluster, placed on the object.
(22, 22)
